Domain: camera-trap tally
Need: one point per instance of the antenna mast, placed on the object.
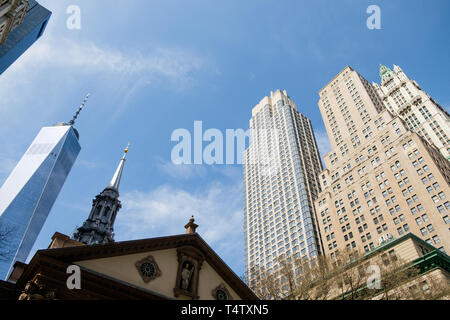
(83, 104)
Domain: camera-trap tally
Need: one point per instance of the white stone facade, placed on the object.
(404, 97)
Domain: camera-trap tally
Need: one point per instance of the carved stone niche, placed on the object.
(190, 262)
(148, 269)
(221, 293)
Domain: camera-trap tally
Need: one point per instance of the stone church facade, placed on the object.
(181, 267)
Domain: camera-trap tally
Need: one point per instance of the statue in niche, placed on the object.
(35, 291)
(186, 275)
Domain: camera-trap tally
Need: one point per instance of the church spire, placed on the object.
(99, 226)
(115, 181)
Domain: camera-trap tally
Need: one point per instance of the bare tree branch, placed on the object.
(5, 235)
(344, 277)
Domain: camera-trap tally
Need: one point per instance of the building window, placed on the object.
(392, 255)
(446, 220)
(436, 240)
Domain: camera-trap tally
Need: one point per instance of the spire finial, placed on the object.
(83, 104)
(115, 181)
(385, 73)
(191, 227)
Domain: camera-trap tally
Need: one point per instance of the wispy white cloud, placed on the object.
(89, 164)
(88, 57)
(165, 210)
(323, 143)
(183, 171)
(60, 63)
(186, 172)
(6, 166)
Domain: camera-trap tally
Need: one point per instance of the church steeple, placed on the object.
(99, 227)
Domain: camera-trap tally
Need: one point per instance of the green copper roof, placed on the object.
(385, 73)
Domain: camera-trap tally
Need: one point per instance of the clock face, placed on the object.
(221, 295)
(148, 269)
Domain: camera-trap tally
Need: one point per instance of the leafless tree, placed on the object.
(295, 279)
(268, 286)
(403, 281)
(393, 275)
(344, 277)
(439, 289)
(5, 235)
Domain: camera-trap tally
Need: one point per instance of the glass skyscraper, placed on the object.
(23, 35)
(281, 182)
(29, 193)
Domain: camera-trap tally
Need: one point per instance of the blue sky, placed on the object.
(155, 66)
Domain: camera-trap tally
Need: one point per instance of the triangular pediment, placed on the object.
(157, 265)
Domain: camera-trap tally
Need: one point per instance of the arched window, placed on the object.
(106, 212)
(97, 211)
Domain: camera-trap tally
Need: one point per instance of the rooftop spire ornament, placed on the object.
(115, 181)
(83, 104)
(191, 227)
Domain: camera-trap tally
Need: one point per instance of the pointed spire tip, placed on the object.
(83, 104)
(115, 181)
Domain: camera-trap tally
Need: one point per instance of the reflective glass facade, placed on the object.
(23, 36)
(281, 182)
(30, 191)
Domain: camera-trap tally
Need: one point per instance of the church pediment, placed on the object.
(176, 267)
